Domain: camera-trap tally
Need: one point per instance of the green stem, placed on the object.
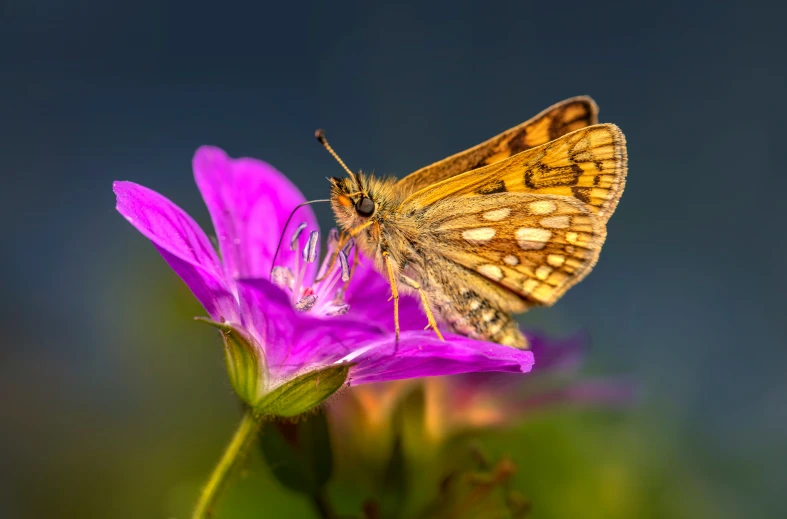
(247, 431)
(323, 505)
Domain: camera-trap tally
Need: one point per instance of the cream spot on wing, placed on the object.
(556, 259)
(529, 285)
(497, 214)
(556, 222)
(491, 271)
(479, 236)
(489, 315)
(543, 272)
(474, 304)
(572, 237)
(532, 238)
(543, 293)
(542, 207)
(511, 260)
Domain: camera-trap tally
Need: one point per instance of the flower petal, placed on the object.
(267, 314)
(294, 341)
(181, 242)
(249, 202)
(421, 354)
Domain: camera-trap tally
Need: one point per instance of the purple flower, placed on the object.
(284, 331)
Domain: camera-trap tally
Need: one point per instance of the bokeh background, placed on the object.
(114, 403)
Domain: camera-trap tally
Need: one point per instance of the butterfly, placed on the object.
(506, 225)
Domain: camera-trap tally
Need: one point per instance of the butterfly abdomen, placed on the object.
(478, 318)
(464, 310)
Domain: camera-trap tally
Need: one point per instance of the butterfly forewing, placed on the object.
(536, 246)
(554, 122)
(588, 165)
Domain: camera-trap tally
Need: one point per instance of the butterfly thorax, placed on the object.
(414, 254)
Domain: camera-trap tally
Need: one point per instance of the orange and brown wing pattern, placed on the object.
(537, 246)
(556, 121)
(588, 165)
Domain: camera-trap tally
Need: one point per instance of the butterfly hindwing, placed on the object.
(536, 246)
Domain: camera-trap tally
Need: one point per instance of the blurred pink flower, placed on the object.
(476, 401)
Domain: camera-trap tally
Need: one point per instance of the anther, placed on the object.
(339, 310)
(344, 266)
(306, 304)
(294, 239)
(282, 276)
(310, 250)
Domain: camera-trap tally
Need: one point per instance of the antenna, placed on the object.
(320, 134)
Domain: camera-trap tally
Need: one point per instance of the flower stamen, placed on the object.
(310, 250)
(306, 304)
(323, 297)
(344, 266)
(296, 235)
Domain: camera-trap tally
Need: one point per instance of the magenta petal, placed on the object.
(421, 354)
(267, 314)
(294, 341)
(180, 241)
(249, 202)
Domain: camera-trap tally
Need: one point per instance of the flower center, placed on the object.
(326, 296)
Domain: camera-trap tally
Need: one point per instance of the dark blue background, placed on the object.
(101, 369)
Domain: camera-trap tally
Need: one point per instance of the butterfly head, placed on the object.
(352, 205)
(353, 198)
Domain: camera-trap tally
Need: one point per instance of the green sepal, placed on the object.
(303, 393)
(299, 453)
(244, 363)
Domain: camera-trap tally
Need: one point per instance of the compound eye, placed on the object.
(364, 207)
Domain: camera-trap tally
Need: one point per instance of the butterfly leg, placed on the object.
(394, 290)
(425, 303)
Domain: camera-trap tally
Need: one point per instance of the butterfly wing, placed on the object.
(533, 223)
(536, 246)
(556, 121)
(588, 165)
